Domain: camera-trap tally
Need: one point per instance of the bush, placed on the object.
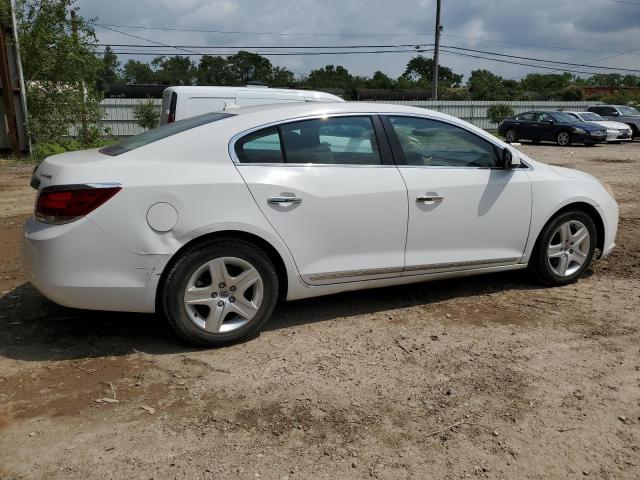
(499, 112)
(147, 115)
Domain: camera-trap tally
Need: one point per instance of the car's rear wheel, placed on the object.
(511, 136)
(563, 139)
(564, 249)
(219, 292)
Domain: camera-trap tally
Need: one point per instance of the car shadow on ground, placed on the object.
(35, 329)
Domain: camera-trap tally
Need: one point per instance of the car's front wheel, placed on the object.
(564, 249)
(563, 139)
(219, 292)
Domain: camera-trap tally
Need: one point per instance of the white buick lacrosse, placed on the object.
(211, 220)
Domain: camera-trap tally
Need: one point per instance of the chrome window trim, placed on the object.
(238, 136)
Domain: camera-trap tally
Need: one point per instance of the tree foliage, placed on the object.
(61, 68)
(499, 112)
(147, 114)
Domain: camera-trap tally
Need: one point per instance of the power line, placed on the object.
(543, 60)
(269, 54)
(138, 37)
(287, 47)
(559, 69)
(624, 2)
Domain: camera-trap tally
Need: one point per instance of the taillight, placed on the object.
(171, 118)
(65, 204)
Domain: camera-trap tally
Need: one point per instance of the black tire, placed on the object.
(511, 136)
(634, 133)
(539, 263)
(535, 141)
(563, 139)
(171, 292)
(589, 144)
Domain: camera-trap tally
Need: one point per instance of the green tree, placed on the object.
(547, 85)
(247, 67)
(58, 49)
(420, 69)
(147, 114)
(499, 112)
(282, 77)
(331, 76)
(380, 80)
(109, 72)
(484, 85)
(214, 70)
(175, 70)
(135, 72)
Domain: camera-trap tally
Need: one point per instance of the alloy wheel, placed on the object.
(568, 249)
(564, 139)
(223, 294)
(511, 136)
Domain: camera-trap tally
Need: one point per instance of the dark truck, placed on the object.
(622, 114)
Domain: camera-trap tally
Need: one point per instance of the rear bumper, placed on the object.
(77, 265)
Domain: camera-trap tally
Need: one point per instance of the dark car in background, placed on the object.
(622, 114)
(547, 126)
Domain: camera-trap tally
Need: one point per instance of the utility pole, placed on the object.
(436, 51)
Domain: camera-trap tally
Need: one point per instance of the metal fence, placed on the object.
(119, 118)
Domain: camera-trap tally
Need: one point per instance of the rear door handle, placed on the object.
(281, 200)
(430, 198)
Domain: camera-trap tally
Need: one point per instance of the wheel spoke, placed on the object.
(245, 280)
(579, 256)
(562, 265)
(565, 232)
(554, 251)
(198, 296)
(219, 272)
(580, 236)
(215, 318)
(244, 307)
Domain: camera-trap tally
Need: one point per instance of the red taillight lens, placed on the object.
(171, 118)
(66, 205)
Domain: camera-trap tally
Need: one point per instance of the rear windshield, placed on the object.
(159, 133)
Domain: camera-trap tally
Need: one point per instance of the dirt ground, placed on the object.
(490, 377)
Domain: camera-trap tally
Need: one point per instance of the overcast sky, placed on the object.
(587, 30)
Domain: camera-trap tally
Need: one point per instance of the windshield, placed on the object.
(159, 133)
(562, 117)
(590, 117)
(629, 111)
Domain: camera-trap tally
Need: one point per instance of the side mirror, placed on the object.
(614, 114)
(510, 158)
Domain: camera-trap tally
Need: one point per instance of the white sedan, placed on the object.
(616, 131)
(211, 220)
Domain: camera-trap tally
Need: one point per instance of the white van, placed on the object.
(185, 102)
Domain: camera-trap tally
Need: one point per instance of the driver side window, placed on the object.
(429, 143)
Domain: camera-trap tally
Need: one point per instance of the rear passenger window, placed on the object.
(262, 146)
(337, 140)
(527, 117)
(326, 141)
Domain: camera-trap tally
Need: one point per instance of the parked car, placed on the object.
(179, 103)
(616, 131)
(556, 127)
(212, 219)
(620, 113)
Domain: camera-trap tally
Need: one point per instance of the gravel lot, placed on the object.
(489, 377)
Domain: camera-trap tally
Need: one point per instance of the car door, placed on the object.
(544, 126)
(330, 189)
(464, 211)
(524, 125)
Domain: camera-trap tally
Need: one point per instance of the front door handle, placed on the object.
(281, 200)
(430, 199)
